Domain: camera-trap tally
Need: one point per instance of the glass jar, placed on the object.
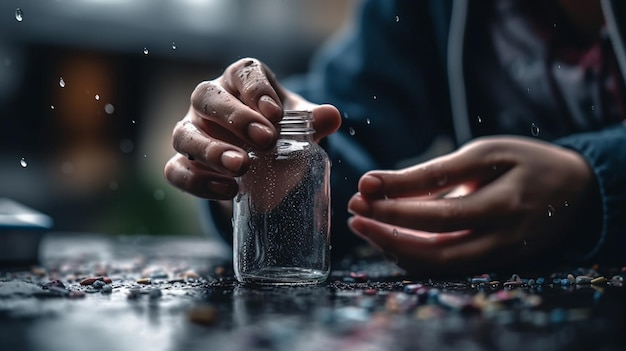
(281, 215)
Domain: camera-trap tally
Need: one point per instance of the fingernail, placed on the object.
(232, 160)
(261, 135)
(222, 189)
(269, 108)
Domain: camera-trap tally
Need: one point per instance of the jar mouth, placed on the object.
(290, 116)
(296, 122)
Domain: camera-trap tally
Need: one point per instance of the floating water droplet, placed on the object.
(145, 156)
(593, 107)
(558, 66)
(52, 107)
(145, 51)
(397, 18)
(534, 129)
(368, 121)
(550, 211)
(554, 25)
(351, 131)
(113, 185)
(61, 82)
(529, 90)
(394, 232)
(524, 242)
(23, 163)
(480, 120)
(19, 15)
(173, 46)
(109, 109)
(566, 204)
(97, 97)
(374, 97)
(133, 121)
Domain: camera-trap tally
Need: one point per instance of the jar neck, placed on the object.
(296, 123)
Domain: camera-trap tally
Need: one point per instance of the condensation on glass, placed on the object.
(281, 215)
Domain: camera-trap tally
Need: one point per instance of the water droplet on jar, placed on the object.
(550, 211)
(61, 82)
(534, 129)
(351, 131)
(19, 15)
(23, 163)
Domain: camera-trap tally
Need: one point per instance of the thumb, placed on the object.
(326, 120)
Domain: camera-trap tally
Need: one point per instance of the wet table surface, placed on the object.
(93, 292)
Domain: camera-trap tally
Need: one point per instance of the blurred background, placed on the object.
(91, 89)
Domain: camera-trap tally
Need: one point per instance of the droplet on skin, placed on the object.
(61, 82)
(534, 129)
(23, 163)
(19, 15)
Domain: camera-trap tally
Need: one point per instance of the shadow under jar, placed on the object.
(281, 217)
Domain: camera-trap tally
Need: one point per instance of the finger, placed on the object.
(190, 177)
(213, 153)
(326, 120)
(210, 102)
(428, 253)
(471, 166)
(485, 207)
(254, 84)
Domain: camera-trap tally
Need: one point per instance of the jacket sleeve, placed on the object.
(605, 151)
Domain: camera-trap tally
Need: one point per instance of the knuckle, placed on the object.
(180, 134)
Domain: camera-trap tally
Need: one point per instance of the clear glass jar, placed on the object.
(281, 215)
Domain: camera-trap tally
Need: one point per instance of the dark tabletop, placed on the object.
(93, 292)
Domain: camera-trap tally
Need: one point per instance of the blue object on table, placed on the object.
(21, 230)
